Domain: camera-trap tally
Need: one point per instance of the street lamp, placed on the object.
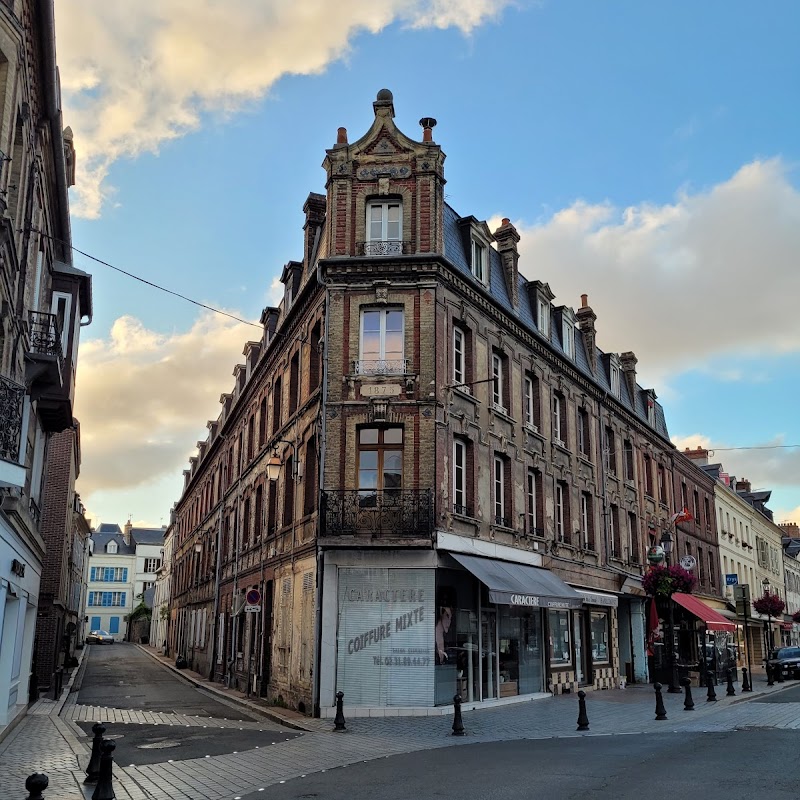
(276, 462)
(674, 687)
(765, 585)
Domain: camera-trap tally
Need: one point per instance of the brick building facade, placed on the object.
(466, 485)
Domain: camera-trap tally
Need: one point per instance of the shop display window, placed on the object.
(560, 651)
(598, 621)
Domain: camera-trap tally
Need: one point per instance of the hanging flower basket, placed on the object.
(769, 604)
(796, 616)
(660, 581)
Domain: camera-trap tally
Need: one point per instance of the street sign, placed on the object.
(253, 597)
(252, 609)
(688, 562)
(731, 580)
(741, 592)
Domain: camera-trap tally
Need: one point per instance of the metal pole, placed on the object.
(747, 643)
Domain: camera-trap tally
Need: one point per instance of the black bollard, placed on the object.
(93, 770)
(105, 782)
(338, 721)
(583, 720)
(661, 712)
(731, 692)
(458, 723)
(712, 694)
(768, 668)
(36, 784)
(746, 687)
(688, 702)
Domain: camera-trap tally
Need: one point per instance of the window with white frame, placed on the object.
(530, 401)
(111, 547)
(461, 497)
(498, 382)
(500, 478)
(479, 262)
(152, 564)
(559, 406)
(543, 317)
(560, 516)
(587, 526)
(112, 599)
(584, 434)
(568, 337)
(109, 574)
(384, 228)
(531, 507)
(460, 359)
(614, 377)
(382, 342)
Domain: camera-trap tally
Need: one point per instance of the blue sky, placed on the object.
(647, 152)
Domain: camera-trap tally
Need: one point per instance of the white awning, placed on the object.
(593, 598)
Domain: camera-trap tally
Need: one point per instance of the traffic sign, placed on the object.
(731, 579)
(253, 597)
(252, 609)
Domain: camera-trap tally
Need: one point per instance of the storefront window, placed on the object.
(559, 638)
(599, 629)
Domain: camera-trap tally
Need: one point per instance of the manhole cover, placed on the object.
(158, 745)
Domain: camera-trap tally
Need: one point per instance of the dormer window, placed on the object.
(384, 228)
(651, 410)
(479, 262)
(543, 317)
(568, 337)
(111, 548)
(614, 378)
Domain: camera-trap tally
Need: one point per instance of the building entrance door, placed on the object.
(581, 661)
(488, 653)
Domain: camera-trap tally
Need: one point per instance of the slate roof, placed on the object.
(525, 315)
(148, 535)
(102, 539)
(108, 527)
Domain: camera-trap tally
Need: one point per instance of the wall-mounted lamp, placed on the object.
(275, 462)
(198, 548)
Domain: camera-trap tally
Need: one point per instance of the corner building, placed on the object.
(468, 485)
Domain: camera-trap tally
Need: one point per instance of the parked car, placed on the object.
(99, 637)
(788, 659)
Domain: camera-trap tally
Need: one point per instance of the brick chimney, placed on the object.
(627, 362)
(314, 209)
(507, 238)
(126, 532)
(743, 485)
(790, 529)
(586, 319)
(699, 455)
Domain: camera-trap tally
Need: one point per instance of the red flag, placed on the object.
(681, 516)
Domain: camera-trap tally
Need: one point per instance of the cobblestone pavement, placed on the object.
(57, 746)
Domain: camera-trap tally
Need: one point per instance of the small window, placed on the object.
(531, 402)
(614, 376)
(568, 336)
(111, 547)
(382, 345)
(544, 317)
(479, 263)
(651, 411)
(460, 359)
(559, 419)
(499, 384)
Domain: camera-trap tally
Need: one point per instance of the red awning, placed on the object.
(713, 620)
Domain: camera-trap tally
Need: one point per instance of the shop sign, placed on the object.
(18, 568)
(731, 579)
(655, 554)
(533, 601)
(688, 562)
(386, 639)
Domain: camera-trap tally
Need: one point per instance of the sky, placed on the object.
(647, 153)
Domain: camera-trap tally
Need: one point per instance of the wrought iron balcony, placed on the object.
(381, 248)
(44, 334)
(390, 513)
(11, 407)
(394, 366)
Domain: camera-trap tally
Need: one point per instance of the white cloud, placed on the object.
(137, 74)
(712, 274)
(143, 399)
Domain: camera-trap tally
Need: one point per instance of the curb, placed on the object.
(250, 706)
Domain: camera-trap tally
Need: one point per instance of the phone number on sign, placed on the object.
(400, 661)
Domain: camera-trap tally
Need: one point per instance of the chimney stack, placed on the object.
(126, 532)
(341, 136)
(586, 319)
(743, 485)
(627, 362)
(428, 124)
(699, 455)
(314, 209)
(790, 529)
(507, 238)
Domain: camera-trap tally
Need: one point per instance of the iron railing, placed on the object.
(406, 513)
(380, 248)
(464, 511)
(394, 366)
(44, 334)
(11, 405)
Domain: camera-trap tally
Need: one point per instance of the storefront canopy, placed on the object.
(714, 621)
(520, 585)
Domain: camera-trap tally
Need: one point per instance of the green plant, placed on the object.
(664, 581)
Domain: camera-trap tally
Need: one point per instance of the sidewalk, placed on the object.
(48, 740)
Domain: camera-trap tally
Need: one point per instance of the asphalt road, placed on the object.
(786, 696)
(732, 766)
(122, 676)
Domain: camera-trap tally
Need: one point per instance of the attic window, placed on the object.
(111, 547)
(543, 317)
(651, 410)
(478, 264)
(614, 378)
(568, 337)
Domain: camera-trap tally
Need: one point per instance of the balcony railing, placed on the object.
(44, 334)
(11, 406)
(381, 248)
(403, 513)
(394, 366)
